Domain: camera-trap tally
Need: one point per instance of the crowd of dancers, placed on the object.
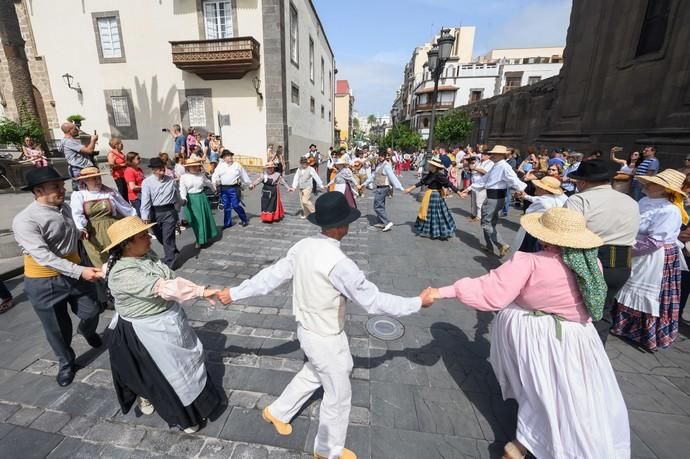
(589, 260)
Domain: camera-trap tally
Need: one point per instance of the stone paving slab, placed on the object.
(430, 394)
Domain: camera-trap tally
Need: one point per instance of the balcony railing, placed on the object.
(427, 107)
(223, 58)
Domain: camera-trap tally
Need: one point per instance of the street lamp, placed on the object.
(437, 57)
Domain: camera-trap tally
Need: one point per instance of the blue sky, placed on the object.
(373, 40)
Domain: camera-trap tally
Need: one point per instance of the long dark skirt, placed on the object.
(439, 223)
(136, 374)
(271, 206)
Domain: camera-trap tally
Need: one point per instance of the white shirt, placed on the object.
(193, 183)
(500, 177)
(346, 277)
(118, 205)
(486, 165)
(545, 202)
(230, 174)
(312, 172)
(659, 219)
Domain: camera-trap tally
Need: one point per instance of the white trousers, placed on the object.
(477, 198)
(329, 365)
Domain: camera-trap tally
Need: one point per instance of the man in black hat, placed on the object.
(314, 159)
(615, 218)
(159, 196)
(53, 275)
(323, 279)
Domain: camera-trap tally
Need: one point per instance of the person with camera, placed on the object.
(78, 156)
(179, 139)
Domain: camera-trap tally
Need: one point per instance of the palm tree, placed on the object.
(18, 65)
(371, 119)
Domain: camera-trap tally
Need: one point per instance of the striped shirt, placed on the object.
(648, 165)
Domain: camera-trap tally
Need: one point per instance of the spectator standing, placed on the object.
(78, 156)
(648, 166)
(134, 177)
(117, 161)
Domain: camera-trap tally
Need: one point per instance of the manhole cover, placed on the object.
(385, 328)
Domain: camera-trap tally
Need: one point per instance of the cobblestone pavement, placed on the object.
(430, 394)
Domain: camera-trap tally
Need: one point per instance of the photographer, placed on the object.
(78, 156)
(179, 139)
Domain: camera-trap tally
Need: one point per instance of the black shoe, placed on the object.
(65, 376)
(94, 340)
(245, 223)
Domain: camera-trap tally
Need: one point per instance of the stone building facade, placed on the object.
(625, 81)
(39, 77)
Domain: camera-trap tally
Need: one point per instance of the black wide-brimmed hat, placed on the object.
(332, 210)
(594, 170)
(40, 175)
(156, 163)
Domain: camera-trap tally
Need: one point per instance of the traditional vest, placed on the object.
(316, 303)
(304, 178)
(381, 179)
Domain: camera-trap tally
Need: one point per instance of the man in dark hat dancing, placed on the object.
(614, 217)
(53, 276)
(324, 278)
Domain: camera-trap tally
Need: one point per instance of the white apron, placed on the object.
(641, 291)
(175, 348)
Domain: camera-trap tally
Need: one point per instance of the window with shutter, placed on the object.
(294, 35)
(197, 110)
(218, 19)
(109, 34)
(120, 111)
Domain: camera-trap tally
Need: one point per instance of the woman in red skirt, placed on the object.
(271, 205)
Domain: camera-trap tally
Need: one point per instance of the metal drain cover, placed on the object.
(385, 328)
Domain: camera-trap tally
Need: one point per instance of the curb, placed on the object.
(14, 272)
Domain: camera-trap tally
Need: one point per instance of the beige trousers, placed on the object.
(305, 200)
(329, 366)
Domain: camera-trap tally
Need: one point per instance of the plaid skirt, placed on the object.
(648, 331)
(439, 223)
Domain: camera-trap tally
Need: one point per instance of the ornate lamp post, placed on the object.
(437, 57)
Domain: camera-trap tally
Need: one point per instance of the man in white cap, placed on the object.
(496, 182)
(323, 279)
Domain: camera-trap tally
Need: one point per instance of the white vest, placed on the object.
(316, 303)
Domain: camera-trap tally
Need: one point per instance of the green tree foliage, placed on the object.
(402, 137)
(13, 132)
(453, 127)
(371, 119)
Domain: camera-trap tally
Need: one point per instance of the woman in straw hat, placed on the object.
(648, 304)
(434, 220)
(154, 353)
(271, 205)
(197, 207)
(545, 351)
(547, 194)
(344, 181)
(94, 208)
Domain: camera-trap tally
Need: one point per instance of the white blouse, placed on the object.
(118, 205)
(659, 220)
(194, 183)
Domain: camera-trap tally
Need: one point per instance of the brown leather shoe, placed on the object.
(346, 454)
(281, 427)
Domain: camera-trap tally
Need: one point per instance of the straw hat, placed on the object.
(342, 161)
(549, 184)
(89, 172)
(499, 150)
(562, 227)
(436, 161)
(125, 228)
(670, 179)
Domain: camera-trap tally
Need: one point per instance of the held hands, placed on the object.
(408, 189)
(92, 274)
(224, 296)
(463, 194)
(84, 235)
(428, 296)
(210, 293)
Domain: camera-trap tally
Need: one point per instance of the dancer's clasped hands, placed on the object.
(428, 296)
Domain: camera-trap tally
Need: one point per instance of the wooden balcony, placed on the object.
(427, 107)
(220, 59)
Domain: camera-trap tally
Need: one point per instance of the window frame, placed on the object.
(183, 95)
(99, 45)
(534, 79)
(294, 87)
(312, 65)
(323, 75)
(233, 18)
(125, 132)
(294, 45)
(475, 90)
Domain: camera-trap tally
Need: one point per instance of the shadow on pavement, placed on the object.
(212, 338)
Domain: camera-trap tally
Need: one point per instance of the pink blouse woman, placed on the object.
(34, 153)
(545, 351)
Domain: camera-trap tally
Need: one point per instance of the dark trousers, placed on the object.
(121, 184)
(489, 219)
(230, 195)
(50, 297)
(136, 203)
(616, 274)
(165, 231)
(4, 291)
(314, 188)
